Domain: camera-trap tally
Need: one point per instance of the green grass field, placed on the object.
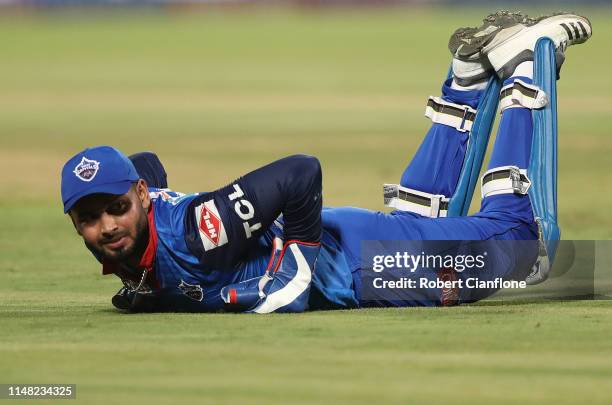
(217, 94)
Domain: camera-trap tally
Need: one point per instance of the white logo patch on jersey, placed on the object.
(87, 169)
(166, 195)
(210, 226)
(193, 291)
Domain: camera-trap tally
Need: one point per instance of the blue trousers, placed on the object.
(435, 169)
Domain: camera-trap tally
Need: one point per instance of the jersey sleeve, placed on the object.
(222, 225)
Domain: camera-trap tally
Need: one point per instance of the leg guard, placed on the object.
(478, 123)
(543, 162)
(541, 166)
(479, 140)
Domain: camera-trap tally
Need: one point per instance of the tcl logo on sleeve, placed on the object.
(245, 210)
(210, 226)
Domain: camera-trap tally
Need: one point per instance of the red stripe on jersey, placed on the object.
(148, 258)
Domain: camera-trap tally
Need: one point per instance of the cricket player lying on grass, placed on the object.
(211, 251)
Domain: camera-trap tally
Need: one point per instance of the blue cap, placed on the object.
(102, 169)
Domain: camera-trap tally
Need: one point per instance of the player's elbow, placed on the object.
(306, 165)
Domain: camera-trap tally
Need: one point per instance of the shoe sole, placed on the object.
(502, 27)
(466, 43)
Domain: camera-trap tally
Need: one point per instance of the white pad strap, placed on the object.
(521, 94)
(454, 115)
(406, 199)
(505, 180)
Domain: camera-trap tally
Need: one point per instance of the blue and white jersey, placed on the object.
(205, 241)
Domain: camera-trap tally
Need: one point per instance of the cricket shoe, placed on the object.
(508, 39)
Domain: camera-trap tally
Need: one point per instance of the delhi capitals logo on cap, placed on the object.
(87, 169)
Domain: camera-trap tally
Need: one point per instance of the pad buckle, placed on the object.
(505, 180)
(418, 202)
(461, 117)
(519, 185)
(464, 120)
(521, 94)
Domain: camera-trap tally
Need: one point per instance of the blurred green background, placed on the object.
(220, 92)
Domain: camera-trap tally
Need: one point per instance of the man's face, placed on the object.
(115, 227)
